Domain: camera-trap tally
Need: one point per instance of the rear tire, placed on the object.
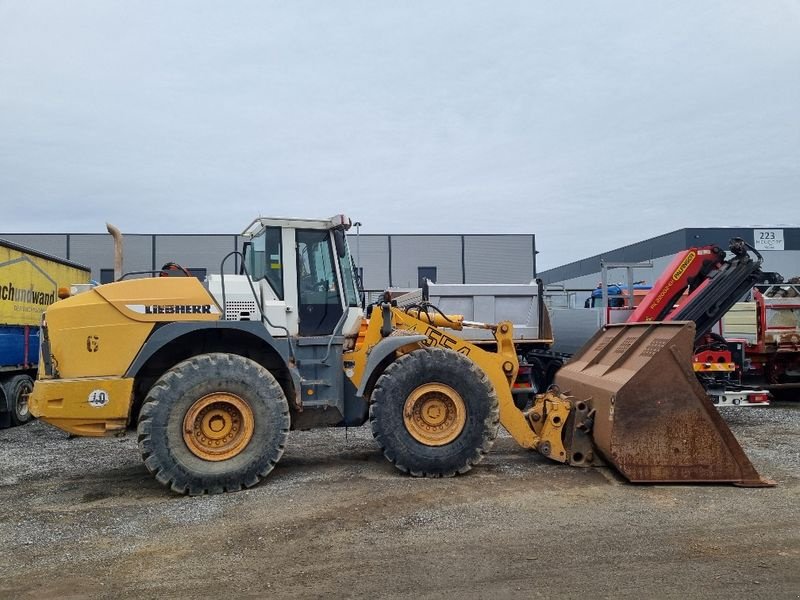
(17, 390)
(213, 423)
(434, 413)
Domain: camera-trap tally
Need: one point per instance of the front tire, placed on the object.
(434, 413)
(213, 423)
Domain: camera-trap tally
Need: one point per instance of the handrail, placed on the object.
(258, 298)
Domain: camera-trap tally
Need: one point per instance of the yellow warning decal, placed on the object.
(684, 265)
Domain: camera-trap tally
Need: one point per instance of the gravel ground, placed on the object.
(82, 518)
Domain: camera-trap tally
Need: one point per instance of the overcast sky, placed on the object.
(590, 124)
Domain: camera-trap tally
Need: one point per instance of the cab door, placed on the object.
(320, 303)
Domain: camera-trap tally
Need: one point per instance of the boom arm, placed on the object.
(714, 284)
(689, 269)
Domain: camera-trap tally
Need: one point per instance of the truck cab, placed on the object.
(618, 296)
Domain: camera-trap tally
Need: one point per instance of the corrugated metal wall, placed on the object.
(409, 252)
(97, 251)
(498, 258)
(195, 251)
(50, 243)
(374, 255)
(485, 258)
(385, 259)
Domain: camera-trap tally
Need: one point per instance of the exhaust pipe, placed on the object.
(117, 235)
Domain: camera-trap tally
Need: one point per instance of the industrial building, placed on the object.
(395, 260)
(402, 260)
(780, 247)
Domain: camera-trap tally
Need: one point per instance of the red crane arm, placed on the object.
(689, 269)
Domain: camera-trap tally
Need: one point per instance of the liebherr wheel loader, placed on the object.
(213, 382)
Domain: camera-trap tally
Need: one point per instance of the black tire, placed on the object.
(18, 388)
(538, 376)
(552, 369)
(5, 414)
(437, 366)
(160, 430)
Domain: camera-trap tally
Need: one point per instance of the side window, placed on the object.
(264, 259)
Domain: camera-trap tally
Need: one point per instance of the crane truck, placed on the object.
(213, 379)
(702, 284)
(30, 281)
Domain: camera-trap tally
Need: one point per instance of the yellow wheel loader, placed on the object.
(214, 378)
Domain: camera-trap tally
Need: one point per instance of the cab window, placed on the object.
(264, 259)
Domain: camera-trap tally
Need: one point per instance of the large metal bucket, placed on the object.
(644, 410)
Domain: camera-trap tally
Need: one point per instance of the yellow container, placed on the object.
(29, 283)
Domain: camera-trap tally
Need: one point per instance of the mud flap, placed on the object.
(644, 411)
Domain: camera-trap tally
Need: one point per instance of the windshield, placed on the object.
(348, 275)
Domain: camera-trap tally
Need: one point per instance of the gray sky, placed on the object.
(591, 124)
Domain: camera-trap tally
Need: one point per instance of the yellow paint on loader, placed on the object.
(94, 339)
(92, 406)
(100, 332)
(500, 367)
(161, 299)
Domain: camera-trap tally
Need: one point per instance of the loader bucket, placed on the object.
(644, 410)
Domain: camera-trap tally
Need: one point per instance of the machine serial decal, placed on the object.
(174, 309)
(662, 294)
(437, 338)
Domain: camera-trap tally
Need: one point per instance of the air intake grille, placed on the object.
(241, 310)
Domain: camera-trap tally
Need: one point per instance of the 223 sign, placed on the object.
(768, 239)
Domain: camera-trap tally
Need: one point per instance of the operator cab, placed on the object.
(303, 275)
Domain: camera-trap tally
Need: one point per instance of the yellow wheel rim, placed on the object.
(218, 426)
(434, 414)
